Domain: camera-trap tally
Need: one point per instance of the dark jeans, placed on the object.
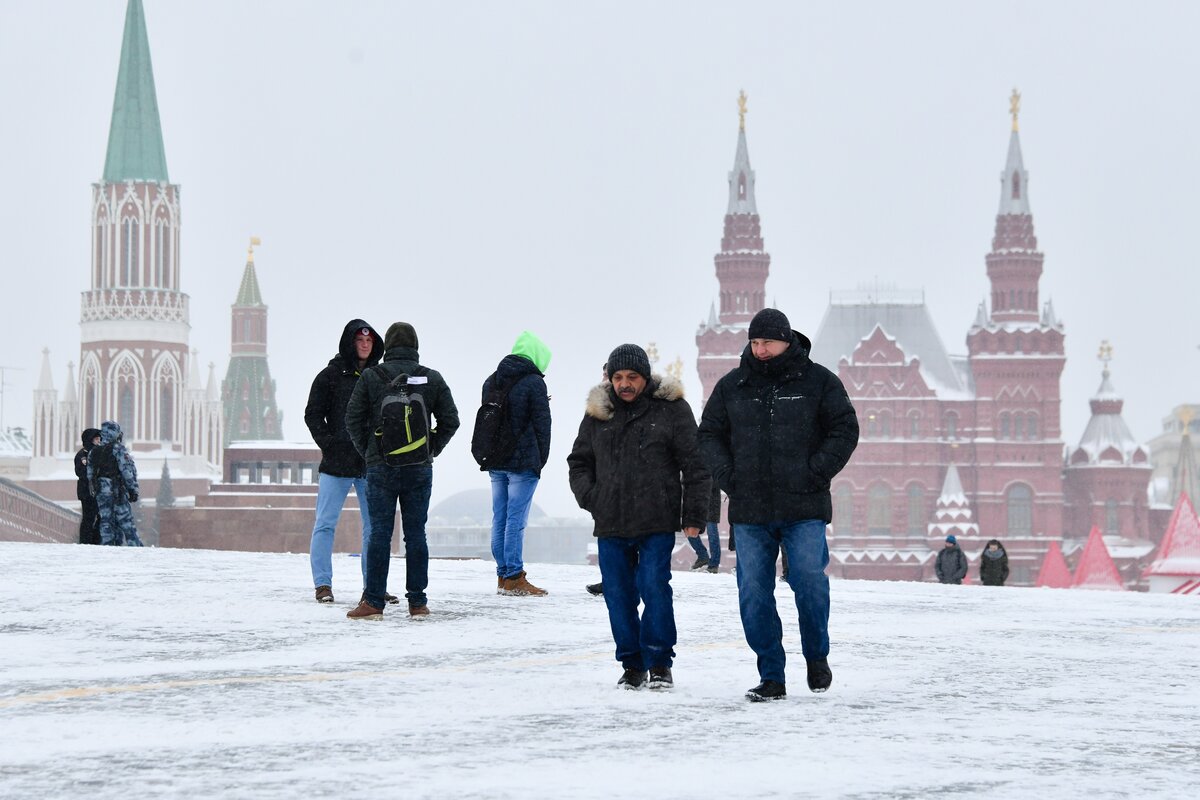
(713, 553)
(808, 555)
(410, 486)
(632, 570)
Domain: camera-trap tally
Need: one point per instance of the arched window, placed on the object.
(1016, 185)
(1005, 423)
(125, 407)
(1112, 520)
(843, 510)
(879, 510)
(950, 425)
(1018, 426)
(1020, 510)
(917, 515)
(885, 424)
(914, 425)
(1031, 426)
(129, 251)
(872, 425)
(166, 412)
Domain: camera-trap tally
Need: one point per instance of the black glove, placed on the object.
(133, 496)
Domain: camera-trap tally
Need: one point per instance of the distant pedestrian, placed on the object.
(951, 566)
(430, 415)
(775, 432)
(89, 523)
(359, 347)
(527, 409)
(112, 477)
(709, 559)
(635, 466)
(993, 564)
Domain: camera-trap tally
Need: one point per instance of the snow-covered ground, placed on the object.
(155, 672)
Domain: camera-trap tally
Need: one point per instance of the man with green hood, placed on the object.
(527, 407)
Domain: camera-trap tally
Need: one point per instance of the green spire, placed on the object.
(248, 293)
(135, 144)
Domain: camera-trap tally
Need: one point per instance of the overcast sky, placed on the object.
(481, 168)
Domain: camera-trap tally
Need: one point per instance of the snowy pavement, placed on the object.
(157, 672)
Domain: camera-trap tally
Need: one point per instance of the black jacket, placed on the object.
(363, 416)
(636, 466)
(528, 407)
(775, 433)
(951, 566)
(993, 569)
(714, 503)
(325, 414)
(82, 491)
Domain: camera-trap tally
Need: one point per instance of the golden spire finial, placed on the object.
(1185, 417)
(742, 110)
(1105, 354)
(1014, 107)
(254, 242)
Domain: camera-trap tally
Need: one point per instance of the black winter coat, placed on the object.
(714, 503)
(363, 416)
(82, 491)
(528, 407)
(325, 414)
(636, 466)
(775, 433)
(993, 570)
(951, 566)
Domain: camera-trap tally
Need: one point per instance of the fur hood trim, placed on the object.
(600, 400)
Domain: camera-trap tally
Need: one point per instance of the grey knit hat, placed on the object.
(771, 323)
(629, 356)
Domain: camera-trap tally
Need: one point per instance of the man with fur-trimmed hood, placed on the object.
(636, 468)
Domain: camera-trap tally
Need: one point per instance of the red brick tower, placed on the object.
(742, 268)
(1016, 356)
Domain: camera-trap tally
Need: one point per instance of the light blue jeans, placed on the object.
(512, 495)
(331, 496)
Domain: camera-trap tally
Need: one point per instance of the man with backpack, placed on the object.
(391, 419)
(112, 476)
(511, 441)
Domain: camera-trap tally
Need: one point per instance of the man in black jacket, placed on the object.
(341, 466)
(951, 564)
(89, 524)
(409, 484)
(775, 432)
(636, 468)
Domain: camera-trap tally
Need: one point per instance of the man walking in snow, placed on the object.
(409, 484)
(775, 432)
(951, 565)
(636, 468)
(112, 476)
(359, 348)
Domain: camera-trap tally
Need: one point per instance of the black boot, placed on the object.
(819, 675)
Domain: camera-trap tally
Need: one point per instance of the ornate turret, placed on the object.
(248, 393)
(953, 513)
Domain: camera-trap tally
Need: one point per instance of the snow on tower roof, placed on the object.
(1107, 438)
(1179, 553)
(1096, 569)
(1014, 180)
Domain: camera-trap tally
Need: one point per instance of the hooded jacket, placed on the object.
(81, 484)
(993, 565)
(528, 403)
(363, 414)
(113, 470)
(636, 466)
(325, 414)
(775, 433)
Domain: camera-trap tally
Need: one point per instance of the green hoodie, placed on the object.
(531, 347)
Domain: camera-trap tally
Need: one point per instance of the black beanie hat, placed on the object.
(400, 334)
(771, 323)
(629, 356)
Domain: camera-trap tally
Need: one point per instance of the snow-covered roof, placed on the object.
(1179, 552)
(1014, 180)
(14, 443)
(741, 195)
(1106, 435)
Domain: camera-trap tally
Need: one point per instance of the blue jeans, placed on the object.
(331, 496)
(410, 486)
(632, 570)
(808, 555)
(713, 553)
(512, 495)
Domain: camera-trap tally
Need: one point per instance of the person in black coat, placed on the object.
(993, 564)
(636, 468)
(775, 431)
(359, 347)
(89, 530)
(527, 407)
(951, 565)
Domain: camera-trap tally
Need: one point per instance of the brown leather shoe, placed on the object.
(519, 586)
(365, 610)
(324, 594)
(500, 585)
(416, 612)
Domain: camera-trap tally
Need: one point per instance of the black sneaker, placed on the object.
(660, 679)
(767, 690)
(632, 679)
(596, 589)
(819, 675)
(714, 570)
(701, 563)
